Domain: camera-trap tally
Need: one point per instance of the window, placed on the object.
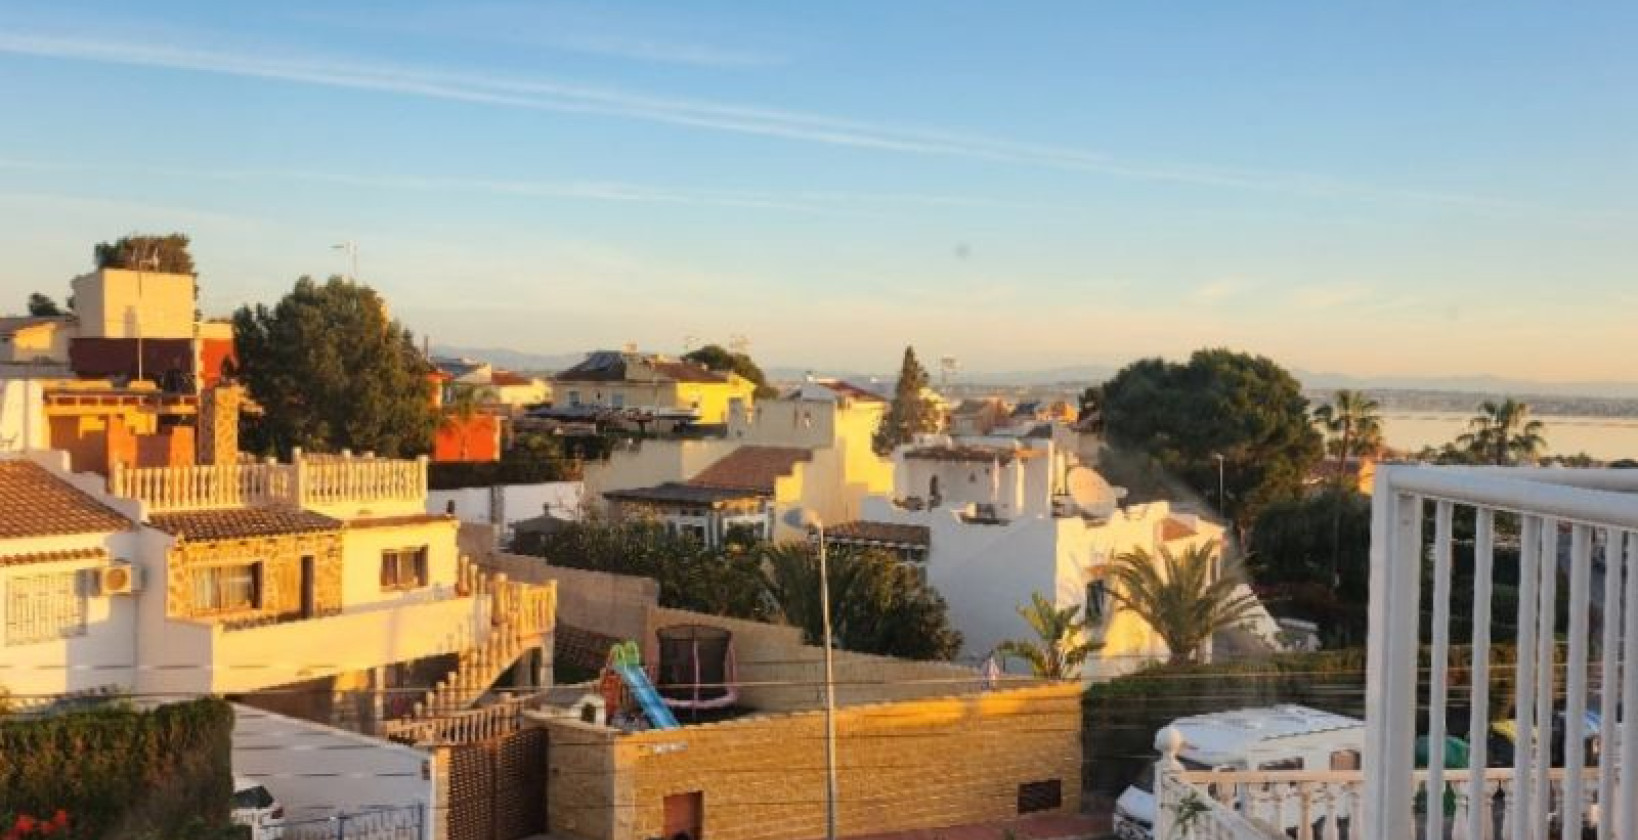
(40, 608)
(1282, 764)
(618, 400)
(1097, 602)
(1040, 796)
(574, 398)
(404, 568)
(1345, 760)
(228, 588)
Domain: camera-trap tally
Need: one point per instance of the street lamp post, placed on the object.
(1222, 503)
(809, 519)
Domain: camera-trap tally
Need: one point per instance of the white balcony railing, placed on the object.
(1306, 805)
(308, 481)
(1448, 543)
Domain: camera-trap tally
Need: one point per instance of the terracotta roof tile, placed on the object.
(686, 494)
(35, 503)
(1171, 529)
(236, 523)
(754, 468)
(54, 556)
(886, 533)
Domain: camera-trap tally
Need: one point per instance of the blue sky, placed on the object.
(1371, 189)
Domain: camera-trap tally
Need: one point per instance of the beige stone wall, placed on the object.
(781, 674)
(281, 573)
(581, 782)
(924, 764)
(607, 604)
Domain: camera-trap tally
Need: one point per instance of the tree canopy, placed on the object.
(1245, 409)
(718, 358)
(1353, 422)
(40, 305)
(166, 253)
(878, 605)
(911, 412)
(331, 371)
(1311, 556)
(1503, 433)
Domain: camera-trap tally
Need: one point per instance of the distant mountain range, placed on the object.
(1080, 375)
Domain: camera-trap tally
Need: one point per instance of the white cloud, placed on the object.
(551, 95)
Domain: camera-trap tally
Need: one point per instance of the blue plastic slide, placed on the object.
(636, 679)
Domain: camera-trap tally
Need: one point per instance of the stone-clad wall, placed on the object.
(920, 764)
(281, 573)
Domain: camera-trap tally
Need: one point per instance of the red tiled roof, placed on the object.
(35, 503)
(753, 468)
(1171, 529)
(54, 556)
(506, 378)
(236, 523)
(609, 366)
(886, 533)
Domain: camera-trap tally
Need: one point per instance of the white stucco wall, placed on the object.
(22, 416)
(651, 462)
(985, 572)
(521, 501)
(317, 771)
(104, 656)
(361, 550)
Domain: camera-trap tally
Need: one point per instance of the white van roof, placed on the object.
(1238, 732)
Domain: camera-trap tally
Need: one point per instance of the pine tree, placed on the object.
(911, 413)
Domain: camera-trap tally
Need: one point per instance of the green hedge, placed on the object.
(118, 772)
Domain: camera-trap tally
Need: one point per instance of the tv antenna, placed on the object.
(947, 367)
(350, 249)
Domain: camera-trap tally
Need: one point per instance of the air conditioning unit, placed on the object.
(119, 579)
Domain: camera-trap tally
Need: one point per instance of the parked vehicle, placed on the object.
(254, 806)
(1273, 738)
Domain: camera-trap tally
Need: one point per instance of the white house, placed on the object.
(996, 520)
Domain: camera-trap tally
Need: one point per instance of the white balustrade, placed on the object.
(1578, 525)
(309, 480)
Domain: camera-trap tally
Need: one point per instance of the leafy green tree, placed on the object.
(1184, 598)
(167, 253)
(718, 358)
(331, 371)
(1061, 645)
(878, 604)
(1312, 555)
(1244, 408)
(691, 575)
(1354, 422)
(911, 412)
(1503, 433)
(42, 306)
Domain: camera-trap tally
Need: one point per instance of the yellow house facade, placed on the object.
(653, 383)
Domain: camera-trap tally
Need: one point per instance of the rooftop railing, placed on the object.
(307, 481)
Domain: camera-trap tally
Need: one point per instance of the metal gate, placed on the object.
(497, 788)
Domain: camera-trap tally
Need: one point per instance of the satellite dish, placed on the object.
(1090, 492)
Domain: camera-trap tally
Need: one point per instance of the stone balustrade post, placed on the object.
(1168, 742)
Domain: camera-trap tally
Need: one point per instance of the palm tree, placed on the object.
(1354, 421)
(1060, 647)
(1181, 596)
(1503, 433)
